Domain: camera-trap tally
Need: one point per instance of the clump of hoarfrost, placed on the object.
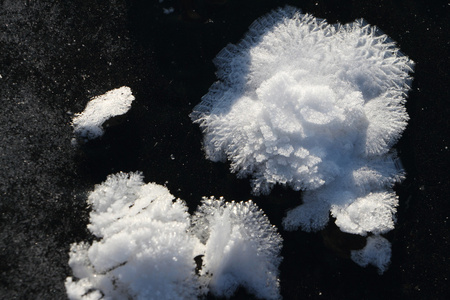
(377, 252)
(242, 248)
(361, 199)
(88, 124)
(316, 107)
(144, 251)
(147, 245)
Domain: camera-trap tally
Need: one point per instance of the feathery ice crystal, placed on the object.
(145, 251)
(242, 248)
(376, 252)
(317, 107)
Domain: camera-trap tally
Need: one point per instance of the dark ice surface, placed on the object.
(56, 55)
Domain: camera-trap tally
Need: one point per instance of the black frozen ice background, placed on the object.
(56, 55)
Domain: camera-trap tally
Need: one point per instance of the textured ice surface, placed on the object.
(377, 252)
(317, 107)
(147, 243)
(88, 124)
(242, 248)
(144, 251)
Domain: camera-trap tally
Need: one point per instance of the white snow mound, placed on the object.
(88, 124)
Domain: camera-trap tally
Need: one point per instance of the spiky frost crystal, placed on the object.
(242, 248)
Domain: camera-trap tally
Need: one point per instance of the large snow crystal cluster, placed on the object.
(88, 124)
(147, 244)
(316, 107)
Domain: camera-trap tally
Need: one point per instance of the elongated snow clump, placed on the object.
(317, 107)
(148, 244)
(88, 124)
(145, 251)
(242, 248)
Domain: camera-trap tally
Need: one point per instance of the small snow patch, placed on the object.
(88, 124)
